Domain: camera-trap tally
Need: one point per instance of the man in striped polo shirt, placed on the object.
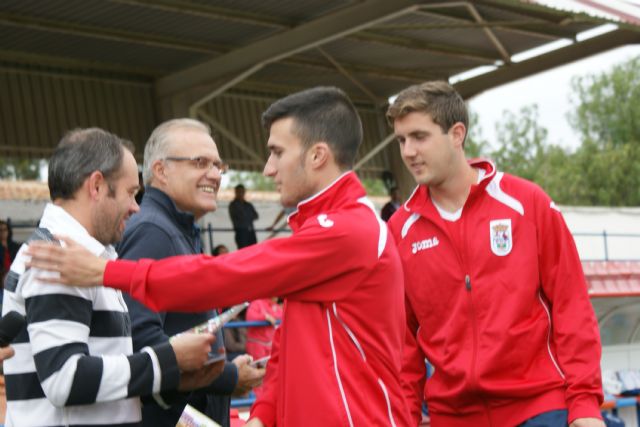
(74, 363)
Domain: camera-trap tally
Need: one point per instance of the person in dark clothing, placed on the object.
(220, 250)
(392, 205)
(242, 215)
(181, 171)
(8, 248)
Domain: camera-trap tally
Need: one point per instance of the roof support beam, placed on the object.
(375, 72)
(506, 56)
(375, 150)
(375, 99)
(420, 45)
(531, 26)
(525, 27)
(574, 52)
(251, 58)
(235, 140)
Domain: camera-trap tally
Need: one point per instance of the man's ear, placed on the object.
(96, 184)
(458, 132)
(319, 154)
(158, 171)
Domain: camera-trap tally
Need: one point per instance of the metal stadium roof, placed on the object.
(126, 65)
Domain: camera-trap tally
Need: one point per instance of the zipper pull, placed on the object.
(467, 282)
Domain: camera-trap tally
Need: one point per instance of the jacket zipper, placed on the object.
(474, 328)
(475, 385)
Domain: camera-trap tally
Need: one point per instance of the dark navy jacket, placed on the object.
(158, 231)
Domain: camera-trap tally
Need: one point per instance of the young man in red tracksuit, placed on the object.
(336, 358)
(496, 298)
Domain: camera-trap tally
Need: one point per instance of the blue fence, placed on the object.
(606, 240)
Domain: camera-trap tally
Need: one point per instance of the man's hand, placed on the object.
(76, 265)
(6, 353)
(202, 377)
(587, 422)
(248, 376)
(254, 422)
(192, 350)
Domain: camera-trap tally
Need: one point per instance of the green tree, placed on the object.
(521, 143)
(474, 145)
(523, 149)
(23, 169)
(605, 169)
(607, 115)
(607, 105)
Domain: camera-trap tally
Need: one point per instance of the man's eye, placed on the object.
(201, 163)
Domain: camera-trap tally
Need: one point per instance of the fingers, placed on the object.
(192, 350)
(43, 255)
(6, 353)
(209, 338)
(242, 360)
(67, 240)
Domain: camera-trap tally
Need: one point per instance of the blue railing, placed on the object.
(607, 239)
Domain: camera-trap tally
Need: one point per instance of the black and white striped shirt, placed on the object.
(74, 364)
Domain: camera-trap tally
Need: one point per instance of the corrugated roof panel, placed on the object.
(293, 10)
(439, 30)
(44, 107)
(612, 278)
(73, 46)
(142, 19)
(280, 74)
(240, 114)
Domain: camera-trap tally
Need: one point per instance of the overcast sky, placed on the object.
(551, 90)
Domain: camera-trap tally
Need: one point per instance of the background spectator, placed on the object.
(8, 248)
(259, 338)
(392, 205)
(219, 250)
(242, 215)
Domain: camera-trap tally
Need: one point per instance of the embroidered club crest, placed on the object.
(501, 236)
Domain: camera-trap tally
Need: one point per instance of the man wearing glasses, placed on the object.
(182, 171)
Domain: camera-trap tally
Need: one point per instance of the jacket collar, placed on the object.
(155, 198)
(344, 190)
(420, 201)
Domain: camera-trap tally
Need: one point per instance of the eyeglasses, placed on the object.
(202, 163)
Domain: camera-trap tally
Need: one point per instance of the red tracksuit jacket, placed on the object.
(500, 308)
(336, 358)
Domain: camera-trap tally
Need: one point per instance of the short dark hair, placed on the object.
(321, 114)
(80, 153)
(437, 98)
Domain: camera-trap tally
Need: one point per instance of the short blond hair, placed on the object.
(436, 98)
